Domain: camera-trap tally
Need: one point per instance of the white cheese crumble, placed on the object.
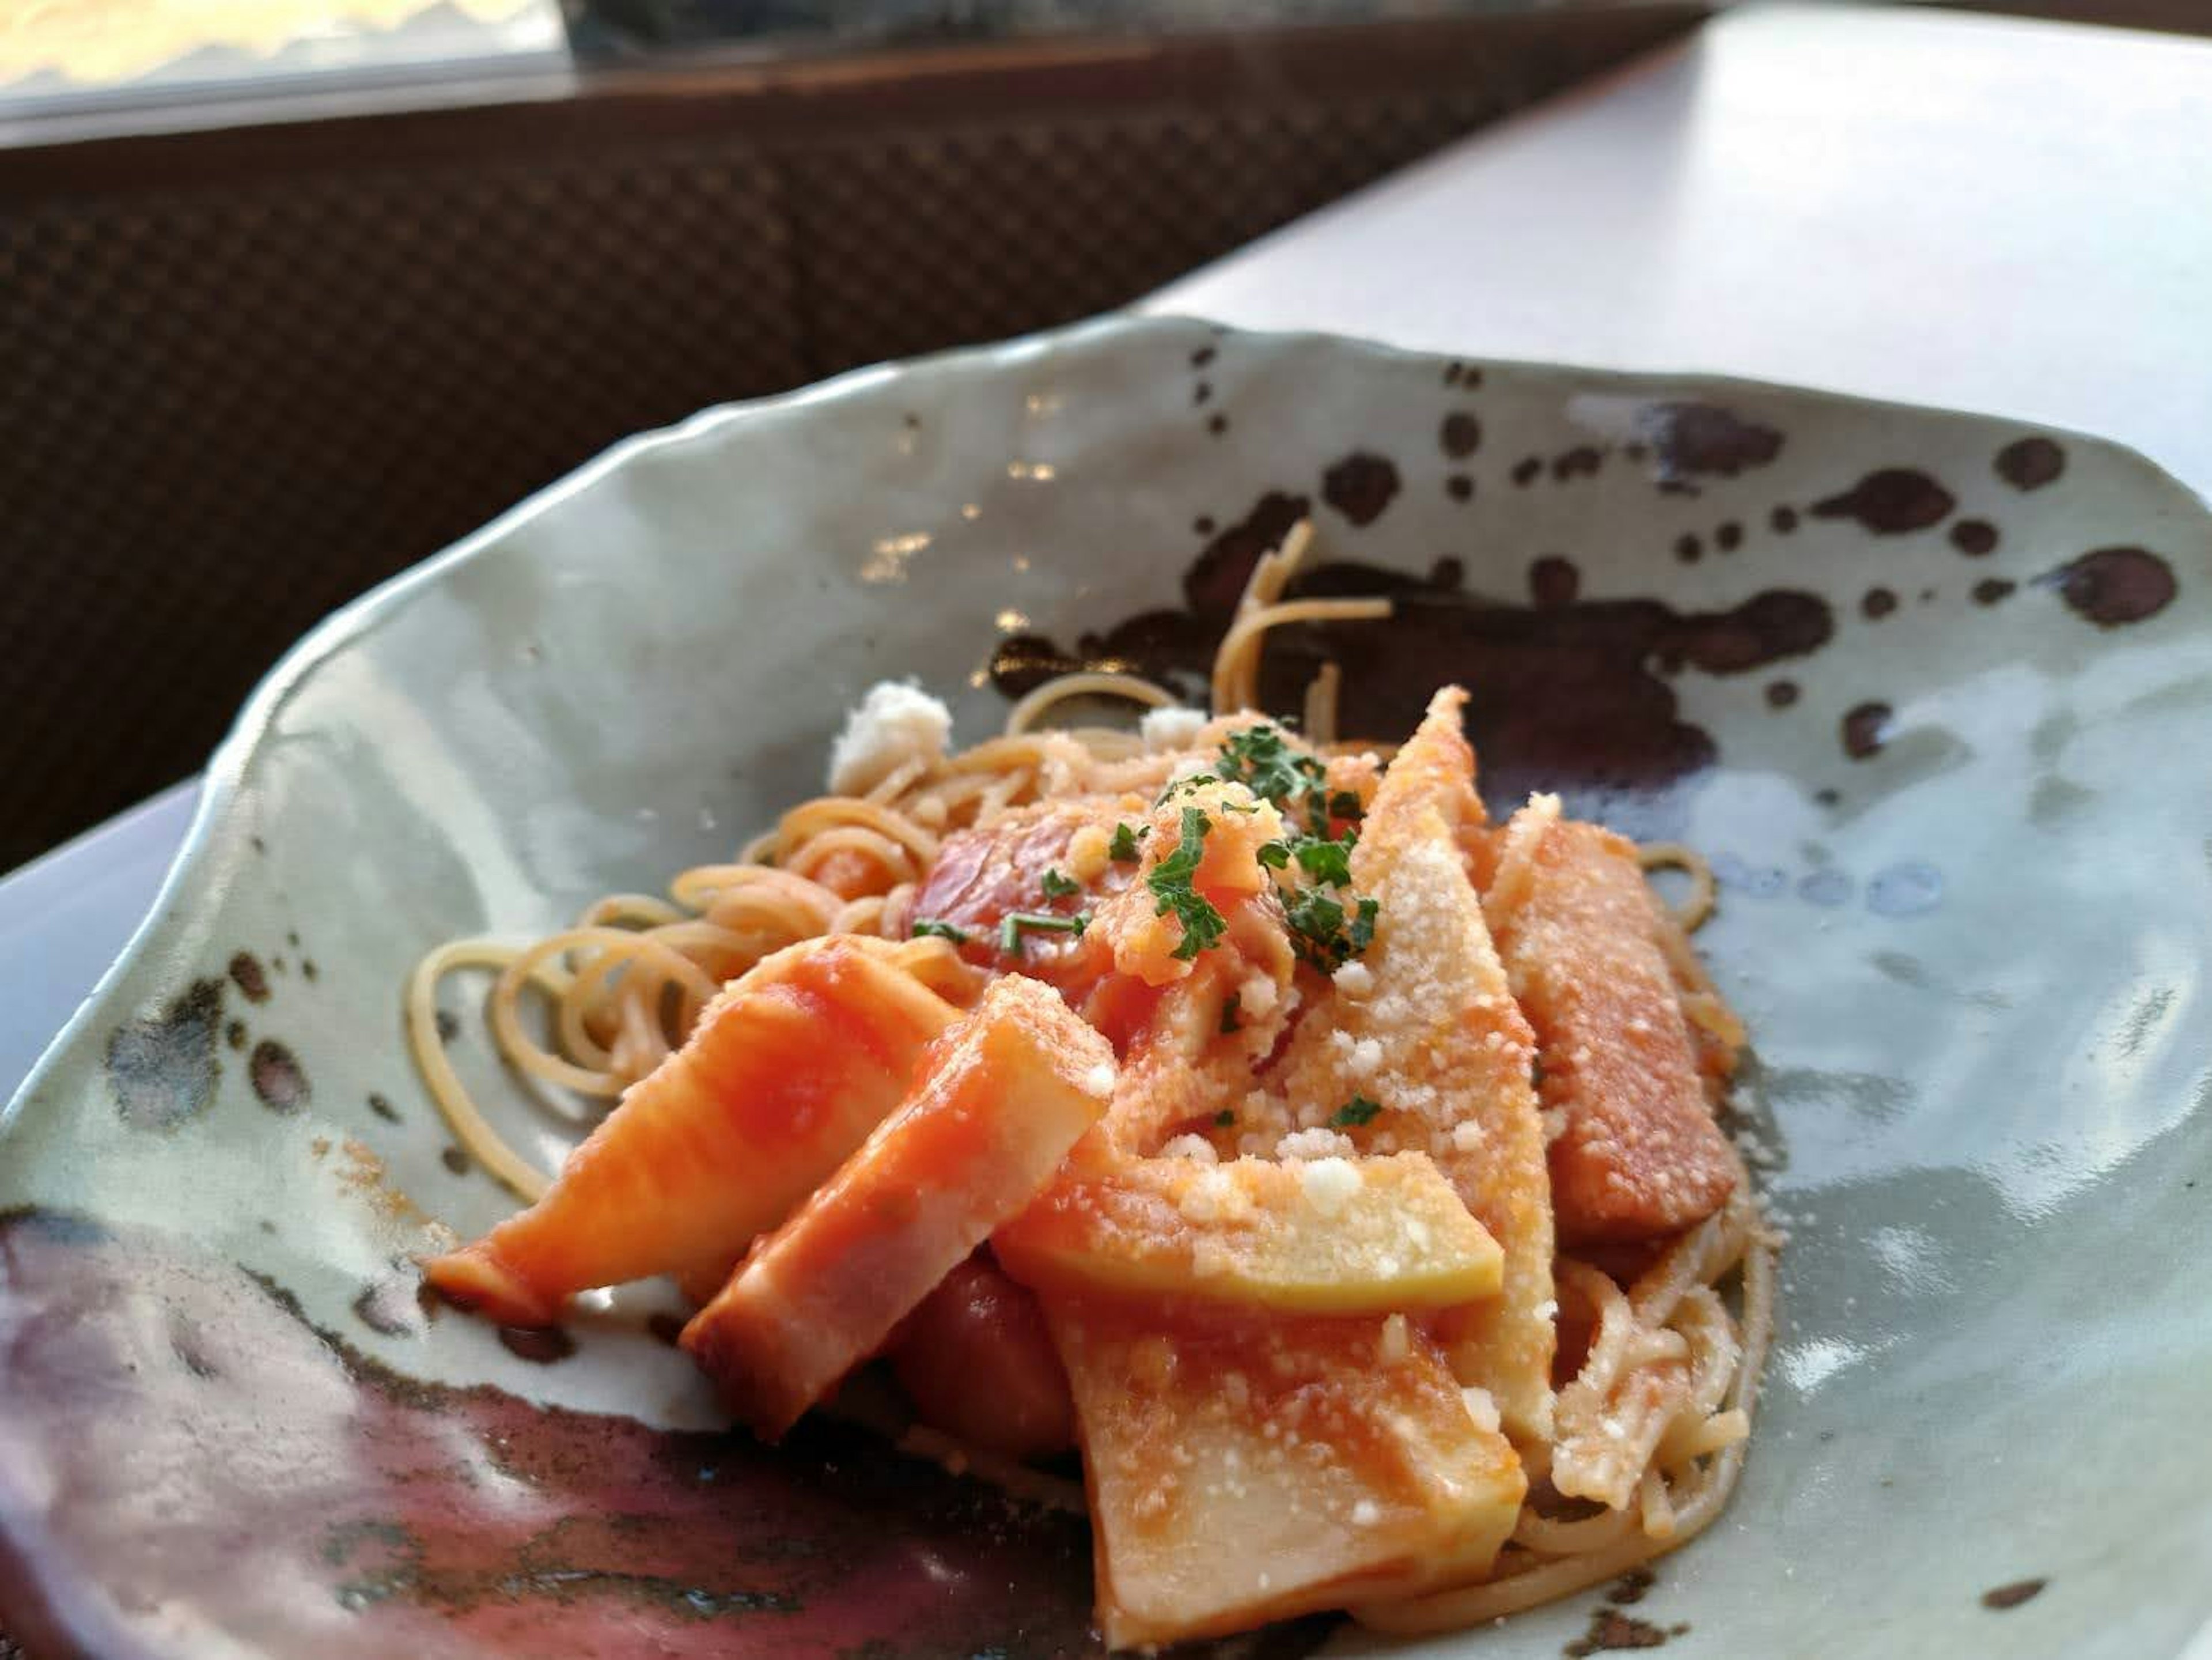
(1316, 1143)
(1329, 1184)
(1196, 1148)
(1256, 996)
(1466, 1136)
(1397, 1342)
(896, 722)
(1171, 728)
(1355, 979)
(1480, 1408)
(1365, 1514)
(1099, 1080)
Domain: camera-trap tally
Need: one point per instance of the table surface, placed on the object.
(1916, 205)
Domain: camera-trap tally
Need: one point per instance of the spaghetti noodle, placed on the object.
(1649, 1430)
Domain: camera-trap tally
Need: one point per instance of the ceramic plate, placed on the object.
(1930, 690)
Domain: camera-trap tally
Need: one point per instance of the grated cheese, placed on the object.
(1480, 1408)
(1329, 1184)
(894, 723)
(1171, 728)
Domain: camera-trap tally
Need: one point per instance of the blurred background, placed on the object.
(295, 292)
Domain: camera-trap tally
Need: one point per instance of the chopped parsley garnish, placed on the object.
(1020, 922)
(1275, 855)
(1326, 861)
(1345, 805)
(1223, 1119)
(1123, 850)
(1363, 925)
(1357, 1111)
(1230, 1023)
(929, 927)
(1258, 759)
(1182, 784)
(1171, 886)
(1319, 932)
(1057, 886)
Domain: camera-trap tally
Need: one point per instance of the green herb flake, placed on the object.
(1171, 886)
(1019, 923)
(1345, 805)
(1230, 1023)
(1258, 759)
(1057, 886)
(1356, 1111)
(1363, 925)
(1274, 854)
(930, 927)
(1223, 1119)
(1325, 860)
(1123, 849)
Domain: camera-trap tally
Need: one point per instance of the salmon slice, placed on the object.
(1333, 1236)
(996, 1107)
(1248, 1468)
(785, 1074)
(1584, 942)
(1422, 1027)
(977, 1361)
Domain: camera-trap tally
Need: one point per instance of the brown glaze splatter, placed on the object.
(1890, 501)
(392, 1305)
(543, 1345)
(1865, 729)
(449, 1025)
(1554, 582)
(1575, 694)
(2113, 587)
(1360, 486)
(454, 1160)
(664, 1328)
(1217, 424)
(1202, 356)
(1688, 549)
(246, 972)
(233, 1034)
(279, 1083)
(365, 1496)
(1729, 537)
(1459, 435)
(1689, 439)
(1610, 1630)
(1782, 520)
(2012, 1595)
(1781, 694)
(1974, 537)
(308, 967)
(1201, 391)
(163, 1070)
(1460, 487)
(1526, 468)
(384, 1109)
(2028, 464)
(1581, 461)
(1991, 589)
(1203, 525)
(1633, 1586)
(1876, 603)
